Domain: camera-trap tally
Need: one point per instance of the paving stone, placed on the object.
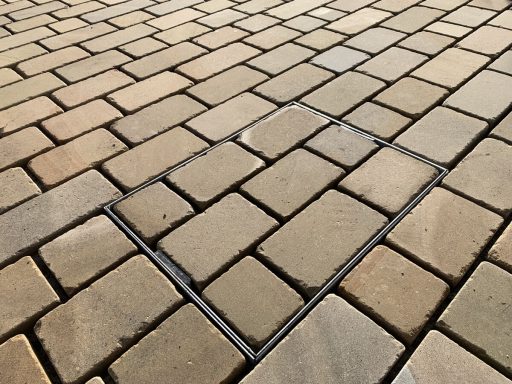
(95, 380)
(448, 29)
(394, 6)
(176, 18)
(304, 23)
(503, 20)
(343, 93)
(272, 37)
(479, 316)
(291, 183)
(503, 63)
(320, 39)
(349, 347)
(229, 117)
(227, 85)
(142, 47)
(36, 10)
(181, 32)
(222, 18)
(163, 60)
(215, 174)
(443, 136)
(26, 296)
(214, 6)
(156, 118)
(255, 6)
(446, 5)
(115, 39)
(82, 337)
(69, 160)
(343, 224)
(27, 113)
(77, 36)
(426, 42)
(392, 64)
(377, 120)
(19, 364)
(422, 233)
(411, 97)
(170, 6)
(342, 146)
(438, 360)
(389, 180)
(22, 53)
(395, 291)
(153, 157)
(496, 5)
(487, 40)
(220, 37)
(327, 14)
(79, 9)
(19, 147)
(490, 159)
(339, 59)
(413, 19)
(280, 133)
(154, 211)
(281, 58)
(8, 8)
(257, 23)
(116, 10)
(33, 22)
(469, 16)
(236, 296)
(189, 350)
(289, 10)
(359, 21)
(18, 187)
(485, 96)
(51, 60)
(502, 130)
(501, 251)
(131, 18)
(86, 252)
(79, 198)
(23, 38)
(293, 83)
(212, 241)
(375, 40)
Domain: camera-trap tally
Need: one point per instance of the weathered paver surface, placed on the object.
(97, 98)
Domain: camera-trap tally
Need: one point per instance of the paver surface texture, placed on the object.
(104, 98)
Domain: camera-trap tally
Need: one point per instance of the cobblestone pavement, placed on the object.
(100, 97)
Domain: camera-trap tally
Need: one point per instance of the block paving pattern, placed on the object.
(99, 97)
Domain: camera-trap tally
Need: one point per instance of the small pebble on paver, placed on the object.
(339, 59)
(237, 294)
(186, 348)
(349, 348)
(81, 255)
(17, 186)
(422, 234)
(501, 251)
(479, 316)
(395, 291)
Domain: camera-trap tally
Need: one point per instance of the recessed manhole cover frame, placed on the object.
(183, 282)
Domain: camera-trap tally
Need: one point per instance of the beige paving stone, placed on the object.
(343, 224)
(69, 125)
(79, 9)
(304, 23)
(479, 316)
(115, 39)
(496, 5)
(33, 22)
(157, 118)
(448, 29)
(343, 93)
(212, 241)
(116, 10)
(490, 159)
(503, 20)
(377, 120)
(154, 211)
(342, 146)
(394, 291)
(502, 130)
(26, 296)
(170, 6)
(79, 199)
(28, 113)
(256, 6)
(215, 174)
(222, 18)
(86, 252)
(442, 136)
(485, 96)
(142, 47)
(439, 360)
(320, 39)
(76, 36)
(153, 157)
(236, 296)
(446, 5)
(422, 233)
(327, 14)
(36, 10)
(392, 64)
(349, 347)
(163, 60)
(226, 85)
(22, 53)
(292, 183)
(272, 37)
(503, 63)
(339, 59)
(488, 40)
(176, 18)
(45, 63)
(293, 83)
(375, 40)
(22, 38)
(501, 251)
(359, 21)
(394, 5)
(257, 22)
(389, 180)
(131, 18)
(95, 380)
(426, 42)
(280, 133)
(19, 147)
(227, 118)
(469, 16)
(69, 160)
(189, 350)
(281, 58)
(181, 32)
(19, 364)
(8, 8)
(411, 97)
(18, 187)
(413, 19)
(220, 37)
(289, 10)
(214, 6)
(82, 337)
